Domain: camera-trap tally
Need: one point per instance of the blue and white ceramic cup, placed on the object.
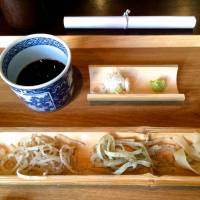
(48, 96)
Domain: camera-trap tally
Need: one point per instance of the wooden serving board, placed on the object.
(90, 175)
(183, 50)
(117, 50)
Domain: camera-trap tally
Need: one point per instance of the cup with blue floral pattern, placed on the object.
(48, 96)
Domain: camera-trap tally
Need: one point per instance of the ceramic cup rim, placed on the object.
(39, 86)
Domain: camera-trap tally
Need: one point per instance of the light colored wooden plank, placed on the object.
(88, 41)
(101, 180)
(136, 97)
(58, 192)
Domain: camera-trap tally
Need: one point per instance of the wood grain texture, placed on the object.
(105, 180)
(114, 42)
(81, 113)
(97, 193)
(136, 97)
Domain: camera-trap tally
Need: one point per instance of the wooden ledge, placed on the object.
(88, 41)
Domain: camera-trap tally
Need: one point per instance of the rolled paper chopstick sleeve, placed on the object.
(130, 22)
(114, 22)
(162, 22)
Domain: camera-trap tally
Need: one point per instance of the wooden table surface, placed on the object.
(147, 50)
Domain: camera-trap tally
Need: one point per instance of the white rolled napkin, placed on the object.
(130, 22)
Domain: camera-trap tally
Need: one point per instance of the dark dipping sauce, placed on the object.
(39, 72)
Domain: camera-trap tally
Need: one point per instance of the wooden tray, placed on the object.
(116, 50)
(89, 175)
(139, 77)
(182, 50)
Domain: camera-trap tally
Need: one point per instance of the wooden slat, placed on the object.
(58, 192)
(136, 97)
(102, 180)
(87, 41)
